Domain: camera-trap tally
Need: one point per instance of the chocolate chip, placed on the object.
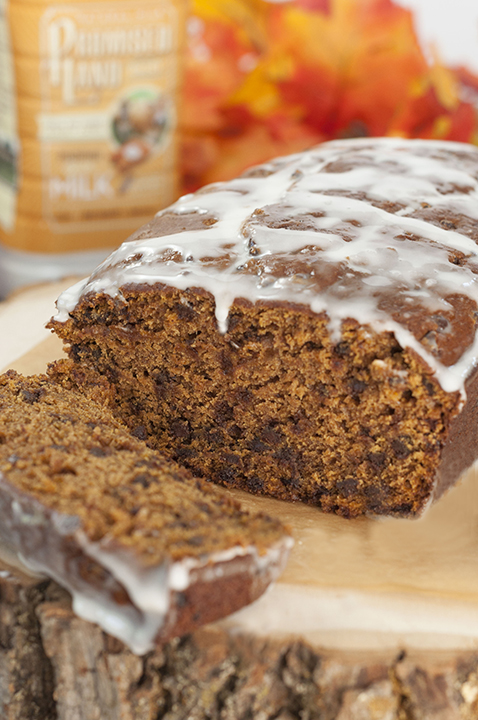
(321, 389)
(290, 482)
(399, 448)
(441, 321)
(180, 429)
(402, 509)
(257, 446)
(311, 346)
(429, 387)
(357, 386)
(235, 432)
(342, 349)
(285, 454)
(457, 258)
(227, 475)
(184, 312)
(215, 436)
(185, 452)
(252, 248)
(98, 452)
(244, 396)
(181, 600)
(226, 363)
(448, 224)
(347, 487)
(432, 423)
(255, 484)
(143, 479)
(164, 383)
(271, 436)
(75, 352)
(31, 396)
(376, 495)
(377, 460)
(224, 412)
(140, 432)
(230, 459)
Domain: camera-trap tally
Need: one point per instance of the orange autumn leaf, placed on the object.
(258, 144)
(345, 77)
(210, 76)
(426, 117)
(322, 6)
(436, 108)
(275, 77)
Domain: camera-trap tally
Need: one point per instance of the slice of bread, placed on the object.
(146, 550)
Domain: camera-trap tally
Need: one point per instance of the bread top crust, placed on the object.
(382, 231)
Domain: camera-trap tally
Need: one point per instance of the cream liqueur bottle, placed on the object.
(88, 116)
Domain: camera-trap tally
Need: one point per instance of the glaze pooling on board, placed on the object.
(373, 230)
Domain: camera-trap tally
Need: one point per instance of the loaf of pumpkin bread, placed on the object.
(306, 331)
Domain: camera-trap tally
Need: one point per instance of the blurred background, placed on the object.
(265, 78)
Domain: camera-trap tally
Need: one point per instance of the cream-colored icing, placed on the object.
(401, 172)
(149, 589)
(35, 535)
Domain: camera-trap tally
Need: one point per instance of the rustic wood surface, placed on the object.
(55, 666)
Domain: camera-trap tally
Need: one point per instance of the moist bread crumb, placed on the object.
(131, 535)
(306, 331)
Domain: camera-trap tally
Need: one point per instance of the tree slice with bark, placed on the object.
(55, 666)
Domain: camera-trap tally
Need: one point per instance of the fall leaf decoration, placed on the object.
(266, 78)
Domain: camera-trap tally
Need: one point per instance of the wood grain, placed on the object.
(54, 666)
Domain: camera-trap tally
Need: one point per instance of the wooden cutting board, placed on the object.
(374, 616)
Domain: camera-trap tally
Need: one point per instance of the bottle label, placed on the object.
(108, 84)
(9, 142)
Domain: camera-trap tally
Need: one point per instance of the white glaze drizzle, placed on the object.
(150, 589)
(35, 536)
(392, 169)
